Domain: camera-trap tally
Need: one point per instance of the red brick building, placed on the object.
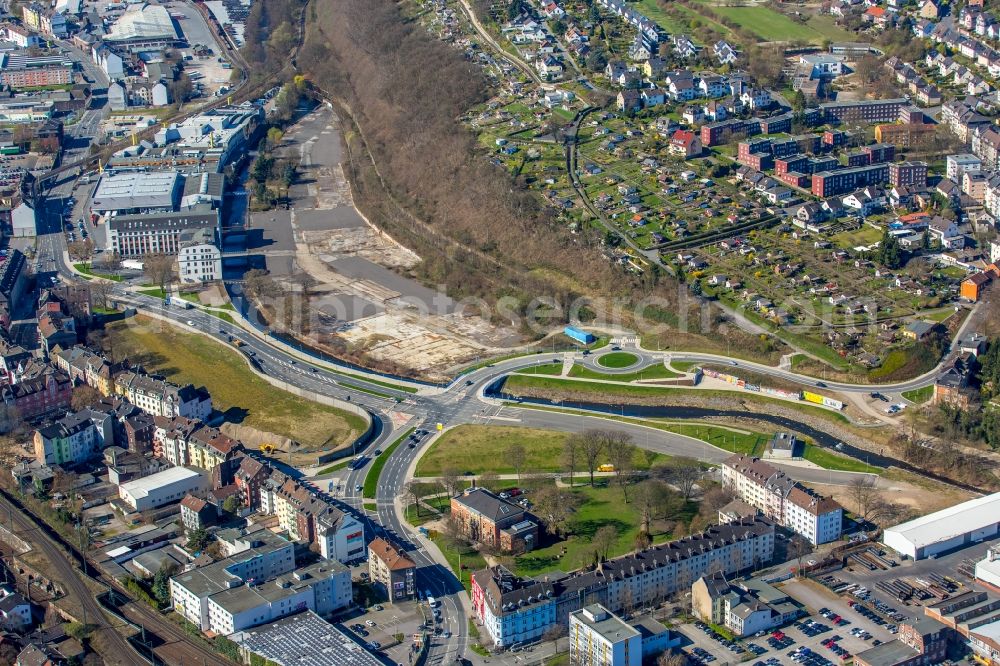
(488, 519)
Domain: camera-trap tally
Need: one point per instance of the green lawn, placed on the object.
(155, 292)
(919, 395)
(684, 366)
(617, 360)
(236, 391)
(830, 460)
(475, 449)
(544, 369)
(600, 506)
(334, 467)
(650, 372)
(371, 478)
(462, 560)
(87, 270)
(614, 393)
(774, 26)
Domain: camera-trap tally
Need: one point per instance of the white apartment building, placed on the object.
(599, 638)
(198, 258)
(322, 588)
(956, 165)
(161, 398)
(249, 557)
(782, 499)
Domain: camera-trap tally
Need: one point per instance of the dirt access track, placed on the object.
(354, 275)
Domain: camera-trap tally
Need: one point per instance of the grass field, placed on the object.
(86, 269)
(651, 372)
(475, 449)
(600, 506)
(617, 360)
(544, 369)
(613, 393)
(463, 560)
(774, 26)
(919, 395)
(830, 460)
(239, 393)
(371, 477)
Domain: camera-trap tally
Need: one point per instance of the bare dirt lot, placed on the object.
(354, 275)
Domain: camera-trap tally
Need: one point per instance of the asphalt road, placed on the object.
(460, 402)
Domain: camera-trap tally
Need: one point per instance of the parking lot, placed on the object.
(830, 633)
(384, 624)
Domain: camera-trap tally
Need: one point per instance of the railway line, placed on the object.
(64, 571)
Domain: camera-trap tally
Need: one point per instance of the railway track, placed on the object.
(174, 647)
(64, 571)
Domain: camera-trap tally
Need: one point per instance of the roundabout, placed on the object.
(617, 360)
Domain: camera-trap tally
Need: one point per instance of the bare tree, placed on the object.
(555, 506)
(604, 538)
(671, 658)
(159, 269)
(84, 396)
(622, 452)
(488, 480)
(451, 479)
(649, 496)
(591, 445)
(570, 454)
(517, 456)
(100, 291)
(683, 473)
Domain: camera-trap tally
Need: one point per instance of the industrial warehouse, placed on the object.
(951, 528)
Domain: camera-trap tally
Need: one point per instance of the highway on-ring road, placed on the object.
(462, 401)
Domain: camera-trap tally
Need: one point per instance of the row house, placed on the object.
(309, 518)
(159, 397)
(190, 442)
(45, 394)
(513, 609)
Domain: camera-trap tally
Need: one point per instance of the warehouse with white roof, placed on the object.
(170, 485)
(954, 527)
(138, 191)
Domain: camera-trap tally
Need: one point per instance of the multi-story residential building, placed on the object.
(597, 637)
(866, 111)
(250, 478)
(37, 396)
(908, 174)
(390, 569)
(831, 183)
(182, 441)
(23, 71)
(486, 518)
(255, 556)
(199, 258)
(514, 609)
(322, 587)
(782, 499)
(744, 607)
(161, 398)
(904, 135)
(307, 517)
(196, 513)
(956, 165)
(986, 146)
(74, 438)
